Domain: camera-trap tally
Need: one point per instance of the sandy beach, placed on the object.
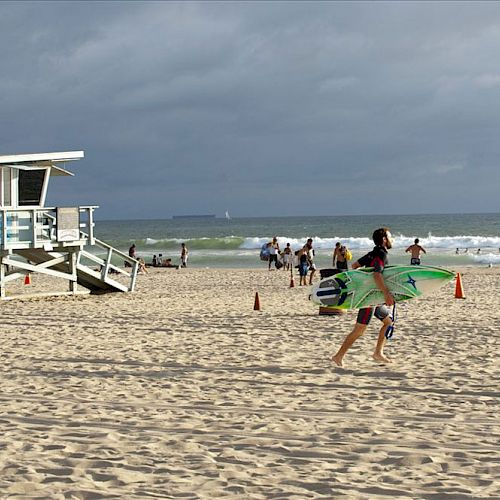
(182, 390)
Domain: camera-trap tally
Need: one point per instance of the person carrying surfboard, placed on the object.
(377, 259)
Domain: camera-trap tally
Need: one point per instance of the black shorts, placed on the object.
(365, 315)
(342, 265)
(273, 258)
(415, 261)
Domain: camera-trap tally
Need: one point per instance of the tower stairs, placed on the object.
(32, 243)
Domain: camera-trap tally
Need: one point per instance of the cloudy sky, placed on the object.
(264, 108)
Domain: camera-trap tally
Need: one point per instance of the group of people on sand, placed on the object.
(377, 259)
(285, 259)
(302, 259)
(159, 261)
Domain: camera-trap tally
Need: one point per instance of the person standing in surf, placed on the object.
(184, 255)
(377, 259)
(415, 250)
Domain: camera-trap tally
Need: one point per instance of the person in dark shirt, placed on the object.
(377, 259)
(303, 265)
(132, 252)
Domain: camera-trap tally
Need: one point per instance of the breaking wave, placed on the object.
(254, 243)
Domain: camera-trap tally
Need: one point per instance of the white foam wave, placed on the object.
(460, 242)
(486, 258)
(152, 241)
(400, 241)
(296, 243)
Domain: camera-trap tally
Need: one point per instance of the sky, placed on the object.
(258, 108)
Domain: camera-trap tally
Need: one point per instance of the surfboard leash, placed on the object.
(390, 329)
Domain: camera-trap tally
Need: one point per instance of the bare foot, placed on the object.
(337, 360)
(381, 358)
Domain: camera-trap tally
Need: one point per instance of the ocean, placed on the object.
(236, 242)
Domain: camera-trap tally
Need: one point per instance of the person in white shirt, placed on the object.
(310, 259)
(273, 253)
(287, 257)
(184, 255)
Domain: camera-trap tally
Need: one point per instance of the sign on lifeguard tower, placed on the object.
(68, 224)
(55, 241)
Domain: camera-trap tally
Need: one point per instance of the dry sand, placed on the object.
(181, 390)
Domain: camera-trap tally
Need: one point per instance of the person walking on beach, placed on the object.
(184, 255)
(303, 265)
(273, 253)
(415, 250)
(310, 258)
(377, 259)
(287, 257)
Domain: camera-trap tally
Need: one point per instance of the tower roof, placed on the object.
(37, 160)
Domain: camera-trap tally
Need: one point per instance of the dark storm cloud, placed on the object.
(265, 107)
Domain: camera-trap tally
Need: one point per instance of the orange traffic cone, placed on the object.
(459, 291)
(256, 304)
(27, 279)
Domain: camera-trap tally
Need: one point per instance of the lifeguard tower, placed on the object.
(60, 241)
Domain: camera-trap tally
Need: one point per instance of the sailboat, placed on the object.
(227, 215)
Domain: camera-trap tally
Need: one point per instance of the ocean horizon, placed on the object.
(236, 242)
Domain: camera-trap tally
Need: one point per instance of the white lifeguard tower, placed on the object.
(55, 241)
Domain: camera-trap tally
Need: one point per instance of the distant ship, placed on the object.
(201, 216)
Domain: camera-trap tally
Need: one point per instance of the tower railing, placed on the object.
(37, 228)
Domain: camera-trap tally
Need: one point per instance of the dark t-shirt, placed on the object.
(377, 259)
